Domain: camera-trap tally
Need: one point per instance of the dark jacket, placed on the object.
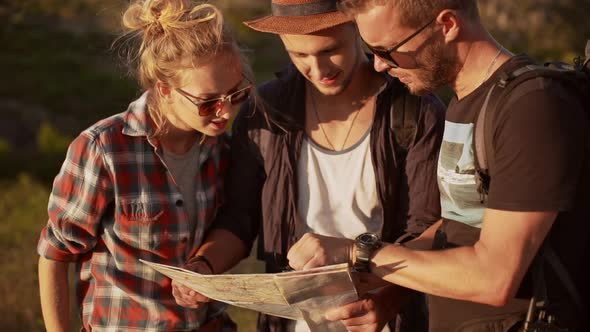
(262, 183)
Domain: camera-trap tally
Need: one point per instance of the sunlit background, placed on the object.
(60, 75)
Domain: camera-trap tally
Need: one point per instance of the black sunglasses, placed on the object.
(211, 106)
(397, 59)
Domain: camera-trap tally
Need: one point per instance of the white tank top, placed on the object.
(337, 190)
(337, 194)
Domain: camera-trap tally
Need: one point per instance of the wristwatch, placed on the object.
(364, 246)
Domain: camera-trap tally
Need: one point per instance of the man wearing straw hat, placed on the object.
(335, 149)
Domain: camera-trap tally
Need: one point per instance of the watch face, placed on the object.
(365, 245)
(368, 239)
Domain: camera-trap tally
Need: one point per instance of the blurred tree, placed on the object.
(5, 149)
(545, 29)
(23, 203)
(51, 142)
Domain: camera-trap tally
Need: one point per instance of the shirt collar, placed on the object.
(137, 119)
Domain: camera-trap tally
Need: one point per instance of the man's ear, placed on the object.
(450, 22)
(164, 90)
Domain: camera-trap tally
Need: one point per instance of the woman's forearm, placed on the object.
(54, 292)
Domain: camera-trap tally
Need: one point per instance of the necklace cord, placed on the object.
(488, 71)
(317, 114)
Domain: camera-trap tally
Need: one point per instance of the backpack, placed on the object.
(574, 78)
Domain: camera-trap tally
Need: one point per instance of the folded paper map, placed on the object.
(300, 295)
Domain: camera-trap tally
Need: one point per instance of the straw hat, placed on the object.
(299, 17)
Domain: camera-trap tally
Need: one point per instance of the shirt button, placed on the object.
(179, 203)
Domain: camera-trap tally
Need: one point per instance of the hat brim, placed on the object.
(298, 25)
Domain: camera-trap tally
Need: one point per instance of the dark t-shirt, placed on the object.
(541, 163)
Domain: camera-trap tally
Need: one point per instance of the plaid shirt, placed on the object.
(114, 202)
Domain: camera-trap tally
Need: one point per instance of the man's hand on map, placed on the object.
(314, 250)
(185, 296)
(370, 313)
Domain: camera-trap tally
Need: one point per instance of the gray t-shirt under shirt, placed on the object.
(184, 169)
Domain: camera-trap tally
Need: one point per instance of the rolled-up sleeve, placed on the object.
(421, 166)
(82, 192)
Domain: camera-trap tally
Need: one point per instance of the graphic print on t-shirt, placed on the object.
(460, 200)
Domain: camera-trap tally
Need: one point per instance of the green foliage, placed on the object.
(23, 203)
(547, 30)
(66, 9)
(5, 149)
(50, 141)
(68, 74)
(244, 318)
(24, 200)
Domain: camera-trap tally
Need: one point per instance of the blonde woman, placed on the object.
(145, 183)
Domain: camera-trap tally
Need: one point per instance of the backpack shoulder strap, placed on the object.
(481, 154)
(484, 129)
(551, 257)
(482, 138)
(404, 117)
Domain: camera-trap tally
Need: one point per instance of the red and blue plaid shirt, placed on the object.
(115, 202)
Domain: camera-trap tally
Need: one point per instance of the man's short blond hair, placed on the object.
(413, 13)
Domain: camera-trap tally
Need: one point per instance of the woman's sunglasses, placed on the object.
(212, 106)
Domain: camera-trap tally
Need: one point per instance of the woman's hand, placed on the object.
(185, 296)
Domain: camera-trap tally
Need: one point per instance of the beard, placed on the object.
(437, 67)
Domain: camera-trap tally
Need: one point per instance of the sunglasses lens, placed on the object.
(240, 96)
(403, 60)
(384, 55)
(388, 60)
(209, 107)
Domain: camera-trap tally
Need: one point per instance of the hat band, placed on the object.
(313, 8)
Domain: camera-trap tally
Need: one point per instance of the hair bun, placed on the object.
(155, 16)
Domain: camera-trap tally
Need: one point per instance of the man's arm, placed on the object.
(425, 240)
(238, 220)
(536, 151)
(371, 312)
(241, 212)
(54, 292)
(314, 250)
(489, 272)
(222, 251)
(421, 167)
